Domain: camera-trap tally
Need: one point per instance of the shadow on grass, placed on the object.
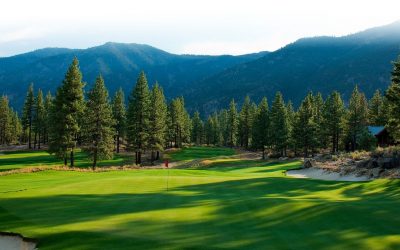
(254, 213)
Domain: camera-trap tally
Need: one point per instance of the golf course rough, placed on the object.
(229, 204)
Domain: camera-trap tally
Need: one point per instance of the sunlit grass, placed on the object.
(41, 158)
(193, 153)
(226, 204)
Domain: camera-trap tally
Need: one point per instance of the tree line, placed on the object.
(148, 124)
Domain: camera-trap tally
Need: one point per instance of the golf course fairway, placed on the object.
(231, 203)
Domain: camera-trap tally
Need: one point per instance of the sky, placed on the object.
(183, 26)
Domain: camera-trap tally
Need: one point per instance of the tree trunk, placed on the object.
(136, 158)
(65, 160)
(72, 158)
(158, 155)
(94, 159)
(39, 141)
(152, 157)
(35, 141)
(263, 154)
(29, 135)
(139, 158)
(117, 142)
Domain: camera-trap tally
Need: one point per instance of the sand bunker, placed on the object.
(12, 241)
(321, 174)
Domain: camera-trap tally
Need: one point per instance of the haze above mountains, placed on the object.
(314, 64)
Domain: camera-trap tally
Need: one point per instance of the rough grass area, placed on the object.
(39, 158)
(229, 204)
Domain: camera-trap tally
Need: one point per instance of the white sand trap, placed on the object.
(320, 174)
(10, 241)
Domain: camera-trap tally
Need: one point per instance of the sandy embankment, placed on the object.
(11, 241)
(321, 174)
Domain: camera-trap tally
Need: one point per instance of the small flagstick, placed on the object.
(166, 165)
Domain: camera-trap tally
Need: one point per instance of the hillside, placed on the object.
(208, 83)
(314, 64)
(119, 64)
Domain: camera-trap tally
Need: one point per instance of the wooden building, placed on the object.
(382, 135)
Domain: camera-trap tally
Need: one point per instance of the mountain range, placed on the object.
(320, 64)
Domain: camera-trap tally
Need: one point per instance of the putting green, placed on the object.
(231, 203)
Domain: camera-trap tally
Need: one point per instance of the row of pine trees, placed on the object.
(148, 124)
(316, 125)
(94, 123)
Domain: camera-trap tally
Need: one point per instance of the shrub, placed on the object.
(358, 155)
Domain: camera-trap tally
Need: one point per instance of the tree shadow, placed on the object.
(246, 213)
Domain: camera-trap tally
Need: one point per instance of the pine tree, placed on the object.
(318, 104)
(385, 112)
(217, 136)
(119, 114)
(375, 110)
(223, 118)
(187, 124)
(28, 112)
(48, 102)
(98, 131)
(279, 125)
(157, 122)
(39, 119)
(197, 130)
(357, 118)
(291, 114)
(209, 130)
(261, 127)
(16, 127)
(393, 98)
(138, 118)
(66, 114)
(179, 125)
(5, 122)
(245, 123)
(305, 130)
(232, 124)
(333, 117)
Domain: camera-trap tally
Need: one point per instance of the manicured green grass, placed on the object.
(230, 204)
(192, 153)
(40, 158)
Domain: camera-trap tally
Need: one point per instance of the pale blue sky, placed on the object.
(179, 26)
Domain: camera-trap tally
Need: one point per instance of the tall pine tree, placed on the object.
(393, 97)
(28, 112)
(305, 130)
(157, 122)
(66, 114)
(375, 110)
(232, 124)
(261, 126)
(357, 118)
(39, 119)
(279, 125)
(138, 118)
(98, 124)
(48, 102)
(333, 119)
(197, 129)
(5, 121)
(119, 114)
